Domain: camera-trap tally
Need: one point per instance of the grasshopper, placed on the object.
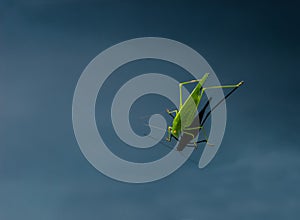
(185, 126)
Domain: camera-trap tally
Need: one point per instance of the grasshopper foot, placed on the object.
(240, 83)
(209, 144)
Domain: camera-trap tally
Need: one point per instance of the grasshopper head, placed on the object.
(175, 130)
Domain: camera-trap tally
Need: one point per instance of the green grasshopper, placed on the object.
(185, 125)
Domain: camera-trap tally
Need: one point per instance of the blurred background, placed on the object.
(45, 46)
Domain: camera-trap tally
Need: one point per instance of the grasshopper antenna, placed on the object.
(153, 126)
(147, 116)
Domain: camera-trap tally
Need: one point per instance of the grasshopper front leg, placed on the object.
(169, 134)
(171, 112)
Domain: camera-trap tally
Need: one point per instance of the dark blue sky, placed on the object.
(44, 47)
